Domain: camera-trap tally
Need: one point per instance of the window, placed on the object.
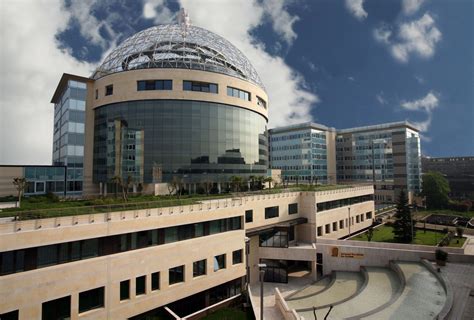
(12, 315)
(199, 268)
(357, 219)
(176, 275)
(341, 224)
(261, 102)
(109, 90)
(237, 256)
(334, 226)
(96, 94)
(328, 228)
(200, 86)
(277, 237)
(271, 212)
(124, 290)
(155, 281)
(362, 218)
(91, 299)
(144, 85)
(292, 208)
(368, 215)
(140, 285)
(219, 262)
(237, 93)
(320, 231)
(248, 216)
(54, 309)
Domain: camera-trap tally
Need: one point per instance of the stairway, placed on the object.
(407, 290)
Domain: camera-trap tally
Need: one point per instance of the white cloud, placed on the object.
(31, 67)
(88, 24)
(427, 104)
(382, 34)
(290, 101)
(411, 6)
(417, 37)
(158, 11)
(380, 98)
(350, 78)
(282, 21)
(356, 8)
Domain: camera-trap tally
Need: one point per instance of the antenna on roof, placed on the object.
(184, 22)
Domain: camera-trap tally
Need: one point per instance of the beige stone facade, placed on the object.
(27, 290)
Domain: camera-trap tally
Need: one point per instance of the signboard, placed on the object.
(353, 255)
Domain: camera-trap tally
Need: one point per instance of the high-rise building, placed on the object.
(386, 155)
(304, 153)
(172, 102)
(69, 126)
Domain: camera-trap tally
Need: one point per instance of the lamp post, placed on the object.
(262, 267)
(247, 274)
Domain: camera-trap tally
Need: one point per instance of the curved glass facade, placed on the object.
(155, 140)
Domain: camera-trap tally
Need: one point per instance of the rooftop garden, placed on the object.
(50, 205)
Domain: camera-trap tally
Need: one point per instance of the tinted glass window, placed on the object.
(292, 208)
(199, 268)
(176, 275)
(237, 256)
(91, 299)
(271, 212)
(140, 285)
(155, 281)
(248, 216)
(125, 290)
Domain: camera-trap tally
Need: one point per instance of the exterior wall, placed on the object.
(376, 254)
(37, 286)
(7, 174)
(303, 152)
(28, 290)
(125, 88)
(331, 156)
(89, 186)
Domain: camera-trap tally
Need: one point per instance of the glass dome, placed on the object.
(171, 46)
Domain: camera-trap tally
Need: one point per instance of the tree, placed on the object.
(370, 233)
(117, 180)
(20, 185)
(235, 182)
(252, 182)
(175, 185)
(436, 190)
(403, 228)
(206, 186)
(269, 180)
(259, 182)
(126, 186)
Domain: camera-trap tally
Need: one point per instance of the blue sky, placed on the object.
(342, 63)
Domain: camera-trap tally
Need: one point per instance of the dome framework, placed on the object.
(171, 46)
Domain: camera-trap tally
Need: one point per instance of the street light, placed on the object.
(262, 267)
(247, 268)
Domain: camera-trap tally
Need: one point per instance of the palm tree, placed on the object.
(117, 180)
(269, 180)
(20, 185)
(235, 182)
(252, 182)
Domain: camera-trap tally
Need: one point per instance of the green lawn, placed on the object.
(423, 213)
(429, 238)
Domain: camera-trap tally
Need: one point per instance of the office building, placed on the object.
(387, 156)
(304, 153)
(41, 180)
(132, 262)
(172, 102)
(459, 171)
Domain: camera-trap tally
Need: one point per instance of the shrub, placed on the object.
(441, 255)
(52, 197)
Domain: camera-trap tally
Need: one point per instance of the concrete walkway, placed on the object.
(469, 248)
(296, 281)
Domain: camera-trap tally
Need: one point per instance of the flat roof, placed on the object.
(63, 82)
(299, 126)
(381, 126)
